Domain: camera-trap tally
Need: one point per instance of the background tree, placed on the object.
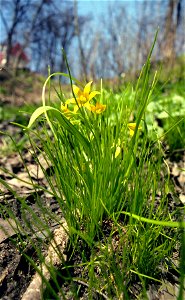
(13, 14)
(43, 27)
(115, 43)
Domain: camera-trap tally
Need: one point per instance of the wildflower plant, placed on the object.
(105, 169)
(90, 154)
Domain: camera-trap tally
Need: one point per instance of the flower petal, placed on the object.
(72, 100)
(76, 108)
(132, 126)
(76, 89)
(98, 108)
(118, 150)
(82, 99)
(93, 94)
(66, 112)
(63, 107)
(87, 88)
(131, 132)
(87, 105)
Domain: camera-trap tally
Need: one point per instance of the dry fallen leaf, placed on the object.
(7, 229)
(22, 180)
(182, 198)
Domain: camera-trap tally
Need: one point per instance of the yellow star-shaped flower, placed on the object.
(98, 108)
(82, 97)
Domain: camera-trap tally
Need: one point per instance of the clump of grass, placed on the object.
(107, 173)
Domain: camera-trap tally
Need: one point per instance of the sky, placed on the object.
(93, 6)
(98, 7)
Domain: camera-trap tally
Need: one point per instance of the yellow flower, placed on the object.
(132, 127)
(82, 96)
(86, 104)
(66, 111)
(82, 99)
(98, 108)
